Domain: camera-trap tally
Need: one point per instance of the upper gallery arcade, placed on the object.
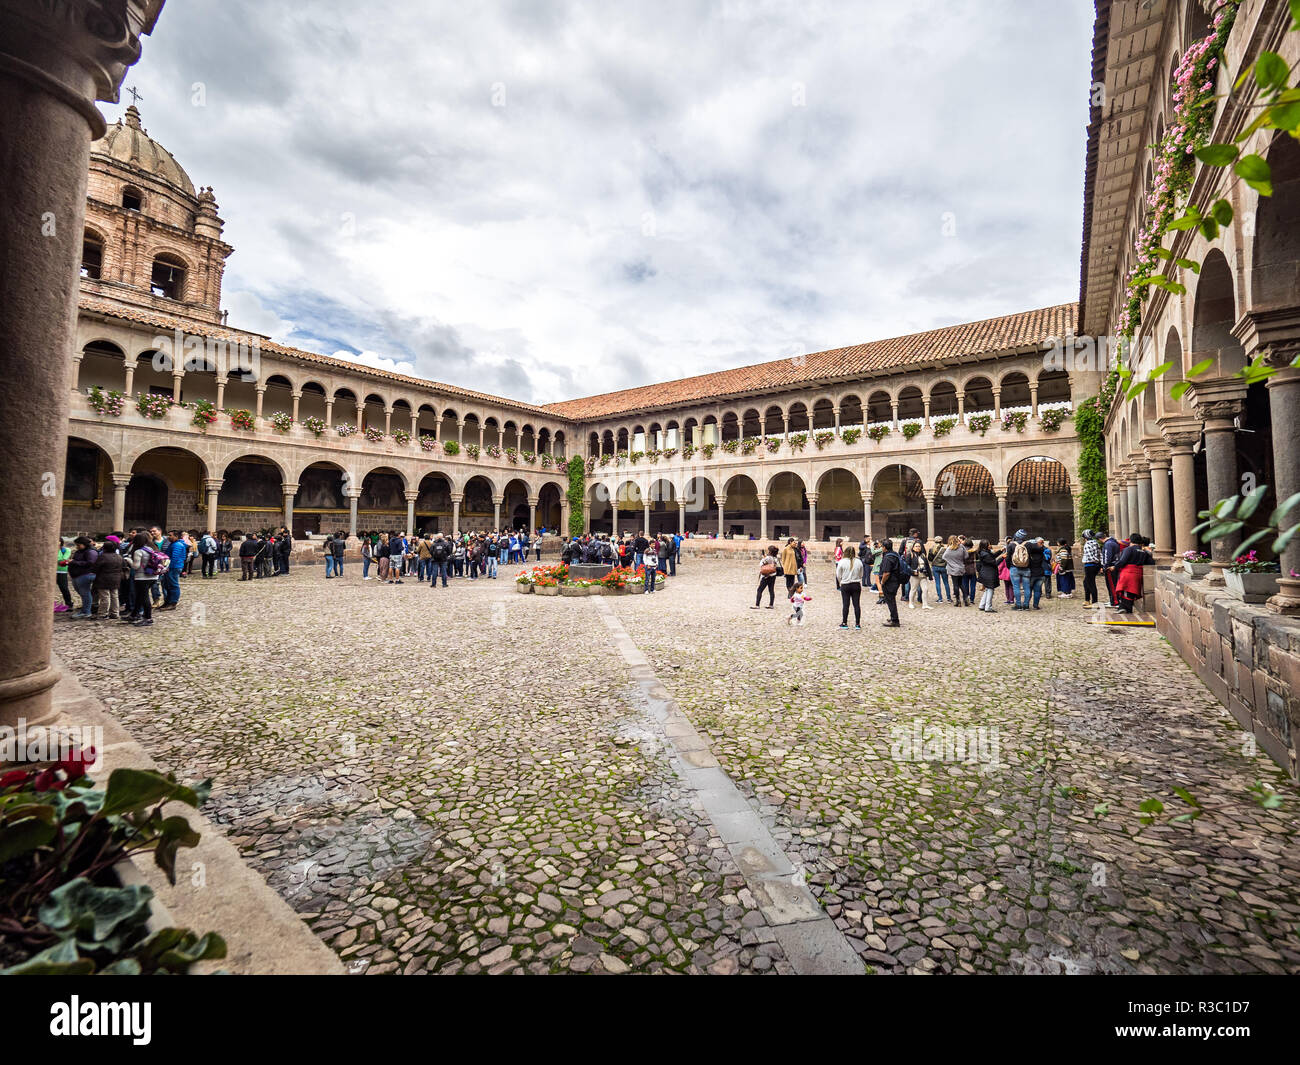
(955, 429)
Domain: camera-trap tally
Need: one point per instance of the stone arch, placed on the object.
(1039, 499)
(1214, 313)
(1015, 390)
(964, 500)
(911, 404)
(103, 363)
(978, 389)
(851, 409)
(87, 482)
(897, 500)
(181, 470)
(1274, 274)
(240, 456)
(880, 409)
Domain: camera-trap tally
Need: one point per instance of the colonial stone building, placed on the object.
(955, 429)
(1169, 453)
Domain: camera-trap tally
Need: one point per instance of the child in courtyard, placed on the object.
(798, 598)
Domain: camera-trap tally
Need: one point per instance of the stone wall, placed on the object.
(1247, 656)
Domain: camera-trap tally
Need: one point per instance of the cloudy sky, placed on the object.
(547, 199)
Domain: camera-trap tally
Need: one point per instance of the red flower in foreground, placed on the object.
(47, 780)
(78, 763)
(14, 778)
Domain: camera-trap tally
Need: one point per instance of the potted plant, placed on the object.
(428, 443)
(204, 415)
(546, 586)
(878, 432)
(153, 406)
(910, 429)
(374, 434)
(850, 436)
(524, 583)
(1251, 579)
(1196, 563)
(315, 425)
(109, 403)
(282, 421)
(242, 420)
(943, 426)
(823, 438)
(979, 423)
(402, 437)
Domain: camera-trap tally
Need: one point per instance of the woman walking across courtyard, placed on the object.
(768, 567)
(954, 559)
(789, 565)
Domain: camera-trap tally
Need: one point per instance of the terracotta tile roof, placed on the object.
(951, 342)
(1027, 478)
(112, 309)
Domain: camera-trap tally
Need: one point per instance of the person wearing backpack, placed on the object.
(1064, 570)
(904, 571)
(178, 553)
(438, 558)
(146, 561)
(768, 568)
(108, 579)
(283, 549)
(208, 553)
(1018, 567)
(889, 582)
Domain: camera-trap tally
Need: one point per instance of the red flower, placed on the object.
(46, 780)
(78, 763)
(14, 778)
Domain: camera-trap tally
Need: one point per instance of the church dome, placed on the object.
(127, 142)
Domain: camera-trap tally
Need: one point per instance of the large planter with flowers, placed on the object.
(574, 590)
(546, 589)
(523, 587)
(1250, 587)
(1250, 578)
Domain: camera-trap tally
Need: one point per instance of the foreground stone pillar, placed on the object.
(564, 516)
(1219, 408)
(411, 497)
(866, 514)
(722, 502)
(930, 493)
(121, 481)
(1002, 491)
(1161, 515)
(1284, 409)
(812, 515)
(1131, 505)
(763, 497)
(353, 497)
(55, 61)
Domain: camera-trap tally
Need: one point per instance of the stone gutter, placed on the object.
(263, 935)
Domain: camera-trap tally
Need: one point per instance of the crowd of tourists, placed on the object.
(957, 571)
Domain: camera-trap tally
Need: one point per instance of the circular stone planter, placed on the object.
(553, 590)
(596, 589)
(524, 589)
(1250, 587)
(573, 590)
(1197, 570)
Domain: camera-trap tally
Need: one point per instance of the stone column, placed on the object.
(496, 511)
(929, 493)
(997, 404)
(1076, 493)
(763, 497)
(681, 517)
(645, 516)
(501, 438)
(564, 515)
(722, 503)
(1284, 409)
(1145, 503)
(456, 498)
(290, 490)
(812, 515)
(121, 481)
(893, 414)
(213, 487)
(1002, 491)
(221, 393)
(361, 416)
(785, 420)
(586, 516)
(481, 428)
(1162, 529)
(76, 370)
(961, 407)
(415, 425)
(866, 513)
(388, 427)
(129, 384)
(1134, 511)
(613, 514)
(460, 432)
(178, 375)
(55, 60)
(1033, 399)
(1181, 444)
(532, 515)
(329, 414)
(835, 411)
(353, 497)
(1218, 404)
(411, 497)
(925, 420)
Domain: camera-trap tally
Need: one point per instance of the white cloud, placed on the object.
(654, 199)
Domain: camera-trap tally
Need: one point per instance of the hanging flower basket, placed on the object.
(374, 435)
(242, 420)
(1015, 420)
(451, 447)
(878, 432)
(1051, 419)
(773, 444)
(494, 450)
(205, 413)
(428, 443)
(980, 423)
(851, 436)
(910, 429)
(823, 438)
(315, 425)
(106, 403)
(282, 421)
(943, 426)
(798, 441)
(401, 437)
(345, 429)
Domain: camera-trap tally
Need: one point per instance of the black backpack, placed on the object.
(904, 567)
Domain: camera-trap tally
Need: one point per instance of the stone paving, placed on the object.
(476, 780)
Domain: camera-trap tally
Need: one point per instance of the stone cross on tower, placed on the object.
(135, 96)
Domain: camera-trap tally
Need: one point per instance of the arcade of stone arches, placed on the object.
(174, 488)
(962, 498)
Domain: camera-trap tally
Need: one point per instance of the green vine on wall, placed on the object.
(1089, 428)
(576, 494)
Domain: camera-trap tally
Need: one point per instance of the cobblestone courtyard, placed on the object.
(473, 779)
